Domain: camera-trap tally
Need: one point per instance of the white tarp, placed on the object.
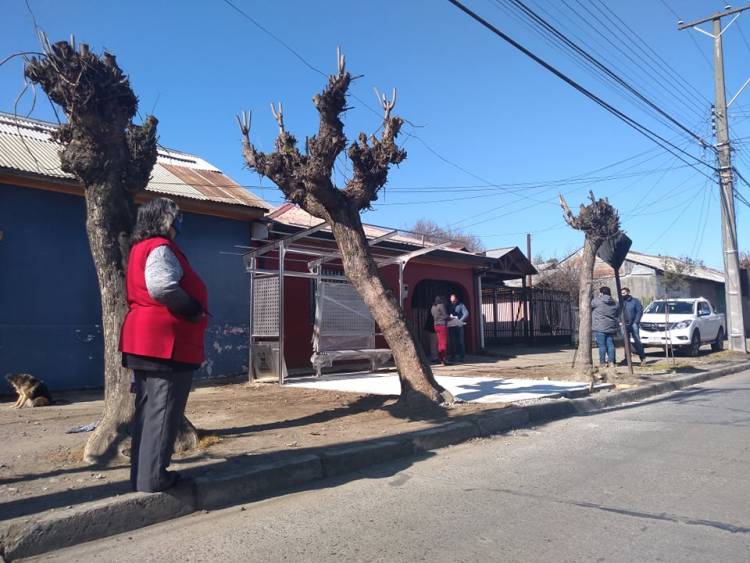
(470, 389)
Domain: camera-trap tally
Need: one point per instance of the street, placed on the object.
(666, 480)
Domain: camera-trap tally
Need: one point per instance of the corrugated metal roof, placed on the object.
(291, 214)
(656, 262)
(499, 252)
(25, 146)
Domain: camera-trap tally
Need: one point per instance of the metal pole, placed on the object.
(735, 321)
(494, 313)
(625, 334)
(250, 362)
(527, 331)
(282, 256)
(401, 285)
(733, 296)
(531, 290)
(480, 312)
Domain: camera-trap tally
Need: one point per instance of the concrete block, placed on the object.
(444, 435)
(502, 421)
(339, 461)
(589, 404)
(548, 410)
(33, 535)
(629, 396)
(248, 483)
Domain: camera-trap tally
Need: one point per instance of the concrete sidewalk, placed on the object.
(225, 482)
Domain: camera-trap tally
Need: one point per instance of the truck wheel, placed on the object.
(695, 344)
(718, 344)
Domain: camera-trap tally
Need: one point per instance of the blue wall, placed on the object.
(49, 298)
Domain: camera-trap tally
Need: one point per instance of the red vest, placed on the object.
(150, 329)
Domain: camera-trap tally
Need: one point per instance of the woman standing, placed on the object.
(161, 340)
(605, 313)
(440, 318)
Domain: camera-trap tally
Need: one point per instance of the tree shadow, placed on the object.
(229, 466)
(362, 404)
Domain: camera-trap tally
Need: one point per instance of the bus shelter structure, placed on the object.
(343, 327)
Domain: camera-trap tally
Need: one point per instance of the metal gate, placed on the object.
(529, 315)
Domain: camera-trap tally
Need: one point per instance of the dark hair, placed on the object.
(625, 289)
(605, 290)
(155, 218)
(439, 300)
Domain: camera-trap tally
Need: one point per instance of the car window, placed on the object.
(674, 307)
(703, 308)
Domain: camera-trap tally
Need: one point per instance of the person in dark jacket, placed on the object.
(605, 313)
(161, 340)
(440, 318)
(632, 311)
(456, 334)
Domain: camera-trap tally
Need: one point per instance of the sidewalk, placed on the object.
(249, 427)
(40, 465)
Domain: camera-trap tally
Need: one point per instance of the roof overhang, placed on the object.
(66, 186)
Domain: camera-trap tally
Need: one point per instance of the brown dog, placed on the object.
(30, 390)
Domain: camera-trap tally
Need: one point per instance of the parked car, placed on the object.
(692, 323)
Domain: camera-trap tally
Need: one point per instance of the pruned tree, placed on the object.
(306, 179)
(112, 158)
(598, 221)
(433, 232)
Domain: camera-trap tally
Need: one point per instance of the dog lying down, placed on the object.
(30, 390)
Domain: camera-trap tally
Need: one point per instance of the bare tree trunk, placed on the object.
(107, 215)
(583, 365)
(418, 385)
(598, 221)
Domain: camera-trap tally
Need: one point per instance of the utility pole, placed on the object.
(735, 321)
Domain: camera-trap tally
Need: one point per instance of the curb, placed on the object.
(34, 535)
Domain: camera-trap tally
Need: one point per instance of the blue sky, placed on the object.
(508, 128)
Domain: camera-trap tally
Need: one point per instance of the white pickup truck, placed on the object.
(692, 323)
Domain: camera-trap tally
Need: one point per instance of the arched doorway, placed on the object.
(422, 298)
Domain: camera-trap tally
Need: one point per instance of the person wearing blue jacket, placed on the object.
(456, 337)
(633, 311)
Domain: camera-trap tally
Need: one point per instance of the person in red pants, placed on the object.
(440, 316)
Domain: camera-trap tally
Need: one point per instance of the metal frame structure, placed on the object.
(291, 244)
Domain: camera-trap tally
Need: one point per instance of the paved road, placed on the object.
(664, 481)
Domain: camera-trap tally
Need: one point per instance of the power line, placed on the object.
(312, 67)
(690, 202)
(695, 43)
(659, 59)
(645, 131)
(605, 69)
(574, 28)
(626, 51)
(632, 58)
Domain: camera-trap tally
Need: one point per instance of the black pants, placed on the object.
(159, 406)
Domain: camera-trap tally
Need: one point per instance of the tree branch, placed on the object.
(324, 148)
(570, 219)
(370, 163)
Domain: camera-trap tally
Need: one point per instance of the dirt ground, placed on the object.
(40, 465)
